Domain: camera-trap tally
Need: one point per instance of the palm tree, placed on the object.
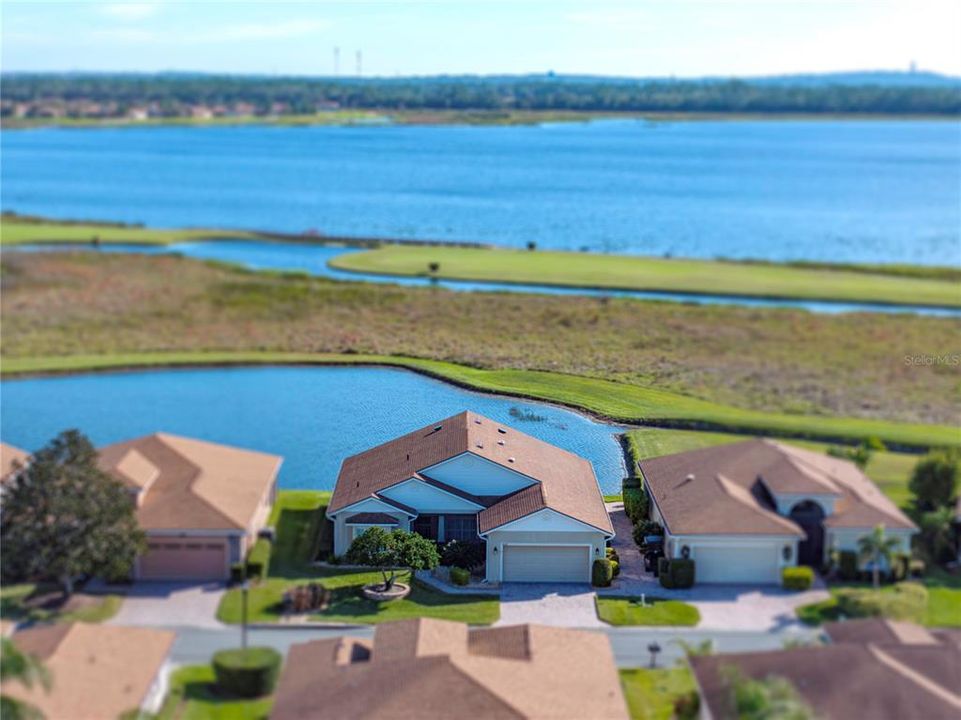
(875, 546)
(26, 670)
(937, 533)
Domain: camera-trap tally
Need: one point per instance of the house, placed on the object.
(97, 671)
(201, 504)
(11, 458)
(870, 670)
(745, 511)
(431, 669)
(537, 507)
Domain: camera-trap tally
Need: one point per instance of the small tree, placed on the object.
(466, 555)
(937, 533)
(873, 547)
(934, 482)
(390, 550)
(62, 517)
(434, 267)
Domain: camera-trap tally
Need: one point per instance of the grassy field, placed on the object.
(890, 470)
(629, 611)
(19, 232)
(301, 532)
(647, 273)
(650, 694)
(740, 369)
(193, 696)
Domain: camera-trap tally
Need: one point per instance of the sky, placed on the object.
(641, 38)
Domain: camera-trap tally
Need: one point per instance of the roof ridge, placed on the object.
(738, 493)
(915, 677)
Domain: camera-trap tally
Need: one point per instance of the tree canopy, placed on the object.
(934, 482)
(388, 550)
(63, 518)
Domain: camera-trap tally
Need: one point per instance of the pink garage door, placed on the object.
(184, 559)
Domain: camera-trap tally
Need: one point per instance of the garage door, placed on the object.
(751, 565)
(180, 559)
(546, 563)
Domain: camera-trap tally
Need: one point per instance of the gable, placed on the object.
(428, 499)
(546, 520)
(477, 476)
(373, 505)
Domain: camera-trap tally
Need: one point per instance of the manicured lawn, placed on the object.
(193, 696)
(649, 273)
(650, 694)
(944, 602)
(629, 611)
(91, 609)
(618, 401)
(18, 232)
(302, 533)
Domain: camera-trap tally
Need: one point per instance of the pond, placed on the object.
(313, 416)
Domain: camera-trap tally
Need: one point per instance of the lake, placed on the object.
(857, 191)
(313, 416)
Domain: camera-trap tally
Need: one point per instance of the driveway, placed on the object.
(171, 604)
(561, 605)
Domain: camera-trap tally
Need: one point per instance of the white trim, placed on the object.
(399, 485)
(427, 469)
(375, 498)
(503, 552)
(590, 528)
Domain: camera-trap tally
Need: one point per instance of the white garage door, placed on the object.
(751, 565)
(180, 559)
(546, 563)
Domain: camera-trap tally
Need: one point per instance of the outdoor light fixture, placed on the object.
(495, 549)
(654, 649)
(786, 552)
(686, 552)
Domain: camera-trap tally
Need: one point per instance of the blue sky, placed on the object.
(639, 38)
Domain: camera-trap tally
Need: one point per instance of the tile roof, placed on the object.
(878, 631)
(191, 484)
(416, 669)
(729, 490)
(98, 671)
(848, 680)
(565, 482)
(8, 456)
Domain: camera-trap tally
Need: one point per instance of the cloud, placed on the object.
(129, 11)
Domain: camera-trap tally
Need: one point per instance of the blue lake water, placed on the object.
(313, 259)
(313, 416)
(872, 191)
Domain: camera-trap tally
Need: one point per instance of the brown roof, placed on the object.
(8, 456)
(191, 484)
(97, 671)
(879, 631)
(729, 490)
(425, 669)
(565, 482)
(370, 518)
(847, 680)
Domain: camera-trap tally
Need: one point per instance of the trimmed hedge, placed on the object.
(644, 528)
(258, 559)
(247, 673)
(676, 573)
(797, 578)
(459, 576)
(635, 504)
(616, 567)
(848, 565)
(906, 601)
(602, 573)
(236, 573)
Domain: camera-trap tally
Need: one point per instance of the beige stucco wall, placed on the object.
(498, 538)
(847, 539)
(342, 530)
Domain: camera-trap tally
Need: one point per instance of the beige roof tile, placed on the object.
(10, 457)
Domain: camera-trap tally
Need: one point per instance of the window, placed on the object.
(460, 527)
(425, 525)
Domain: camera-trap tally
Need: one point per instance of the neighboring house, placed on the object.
(200, 504)
(97, 671)
(746, 510)
(538, 508)
(870, 671)
(11, 458)
(433, 669)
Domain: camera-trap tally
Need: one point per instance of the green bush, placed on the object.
(906, 601)
(459, 576)
(611, 554)
(687, 705)
(630, 482)
(664, 572)
(236, 573)
(676, 573)
(602, 572)
(916, 568)
(797, 578)
(645, 528)
(848, 565)
(258, 559)
(635, 504)
(900, 567)
(468, 555)
(615, 567)
(247, 673)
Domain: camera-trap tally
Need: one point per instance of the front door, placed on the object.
(810, 517)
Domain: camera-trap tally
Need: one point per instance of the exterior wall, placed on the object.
(787, 501)
(428, 499)
(674, 543)
(478, 476)
(498, 538)
(847, 539)
(342, 529)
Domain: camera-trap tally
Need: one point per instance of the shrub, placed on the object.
(602, 572)
(916, 568)
(900, 567)
(645, 528)
(236, 573)
(258, 559)
(934, 481)
(797, 578)
(907, 601)
(459, 576)
(247, 673)
(615, 567)
(630, 482)
(848, 565)
(635, 504)
(676, 573)
(469, 555)
(611, 554)
(687, 705)
(664, 572)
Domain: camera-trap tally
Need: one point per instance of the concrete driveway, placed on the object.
(171, 604)
(560, 604)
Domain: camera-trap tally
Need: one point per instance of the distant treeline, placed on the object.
(172, 93)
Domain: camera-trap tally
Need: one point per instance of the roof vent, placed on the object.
(502, 431)
(438, 428)
(510, 459)
(480, 445)
(689, 478)
(500, 442)
(478, 422)
(408, 457)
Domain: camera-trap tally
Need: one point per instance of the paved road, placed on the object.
(196, 645)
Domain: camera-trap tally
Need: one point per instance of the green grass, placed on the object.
(655, 274)
(890, 470)
(22, 231)
(656, 611)
(13, 607)
(650, 694)
(944, 601)
(193, 696)
(617, 401)
(302, 533)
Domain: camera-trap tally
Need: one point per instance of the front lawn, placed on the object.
(193, 696)
(655, 611)
(18, 603)
(944, 601)
(651, 694)
(302, 533)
